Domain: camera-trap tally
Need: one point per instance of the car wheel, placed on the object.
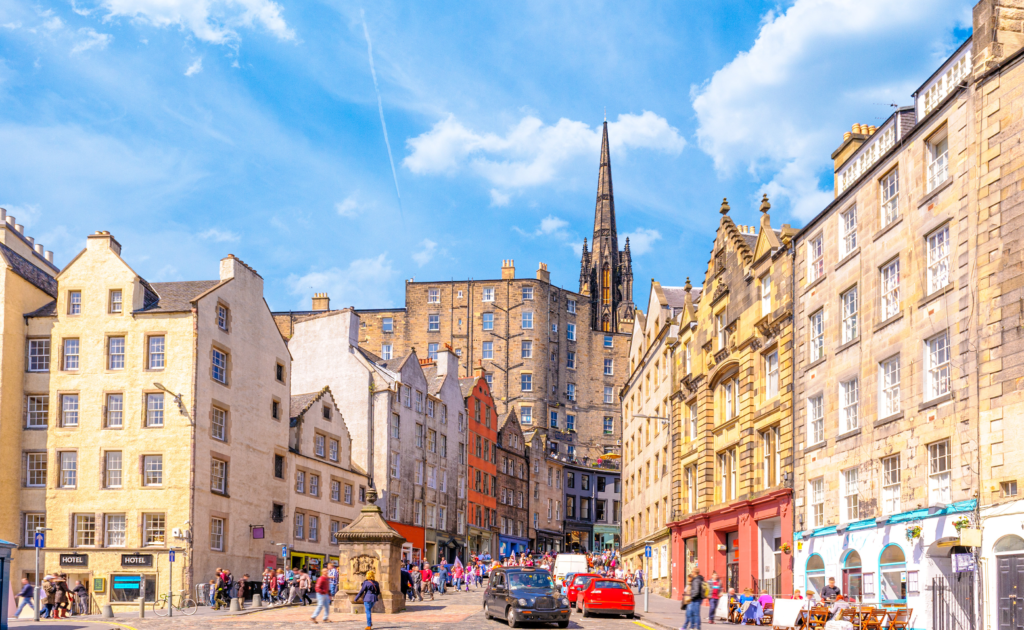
(510, 617)
(487, 615)
(586, 613)
(563, 624)
(630, 616)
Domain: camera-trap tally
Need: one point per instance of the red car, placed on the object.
(609, 596)
(578, 585)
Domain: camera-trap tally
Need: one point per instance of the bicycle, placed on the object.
(185, 605)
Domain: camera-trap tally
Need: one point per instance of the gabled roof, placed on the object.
(173, 297)
(301, 403)
(32, 274)
(435, 381)
(675, 296)
(505, 417)
(46, 310)
(467, 385)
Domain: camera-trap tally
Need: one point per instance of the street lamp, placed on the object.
(39, 530)
(177, 399)
(664, 421)
(170, 580)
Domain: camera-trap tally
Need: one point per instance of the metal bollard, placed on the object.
(257, 600)
(107, 611)
(234, 605)
(142, 608)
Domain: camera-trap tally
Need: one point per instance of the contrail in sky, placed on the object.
(380, 108)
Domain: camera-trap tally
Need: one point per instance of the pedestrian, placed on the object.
(696, 592)
(639, 580)
(323, 596)
(405, 582)
(61, 598)
(267, 590)
(282, 586)
(368, 594)
(332, 575)
(27, 593)
(50, 589)
(428, 580)
(417, 581)
(305, 586)
(82, 598)
(714, 592)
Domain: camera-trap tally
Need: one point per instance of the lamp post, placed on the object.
(170, 580)
(38, 542)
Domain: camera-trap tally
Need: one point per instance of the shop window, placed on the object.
(892, 565)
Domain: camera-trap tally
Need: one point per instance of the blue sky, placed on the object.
(196, 128)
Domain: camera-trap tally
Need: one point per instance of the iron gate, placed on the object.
(953, 602)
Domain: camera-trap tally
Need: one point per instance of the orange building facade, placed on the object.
(482, 485)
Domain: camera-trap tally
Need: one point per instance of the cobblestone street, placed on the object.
(428, 615)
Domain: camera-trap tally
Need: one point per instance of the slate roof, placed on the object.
(34, 275)
(435, 381)
(46, 310)
(505, 417)
(467, 385)
(173, 297)
(676, 296)
(301, 403)
(395, 364)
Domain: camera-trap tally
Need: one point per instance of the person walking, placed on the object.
(268, 576)
(714, 592)
(417, 582)
(696, 592)
(332, 575)
(60, 597)
(50, 588)
(305, 586)
(405, 583)
(81, 598)
(368, 594)
(27, 593)
(323, 596)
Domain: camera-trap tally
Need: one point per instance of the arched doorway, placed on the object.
(892, 567)
(853, 585)
(815, 574)
(1009, 552)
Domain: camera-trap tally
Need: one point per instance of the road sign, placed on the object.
(172, 555)
(647, 551)
(40, 540)
(284, 552)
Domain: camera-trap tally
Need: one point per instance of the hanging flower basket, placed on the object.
(962, 523)
(786, 548)
(913, 532)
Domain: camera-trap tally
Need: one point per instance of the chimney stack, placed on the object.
(997, 33)
(49, 256)
(321, 302)
(508, 269)
(543, 274)
(478, 369)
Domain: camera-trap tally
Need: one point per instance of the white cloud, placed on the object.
(531, 153)
(195, 68)
(220, 236)
(88, 39)
(349, 207)
(779, 109)
(641, 240)
(214, 21)
(499, 198)
(364, 283)
(549, 226)
(426, 253)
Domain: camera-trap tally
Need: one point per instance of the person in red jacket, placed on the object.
(323, 596)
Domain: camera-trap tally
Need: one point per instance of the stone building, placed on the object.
(513, 487)
(732, 414)
(406, 417)
(646, 455)
(592, 508)
(886, 404)
(482, 480)
(546, 526)
(326, 484)
(27, 284)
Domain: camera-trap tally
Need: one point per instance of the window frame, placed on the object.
(937, 247)
(889, 196)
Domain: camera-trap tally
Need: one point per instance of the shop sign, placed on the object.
(963, 562)
(74, 560)
(136, 560)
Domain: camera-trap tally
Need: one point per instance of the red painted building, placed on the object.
(482, 486)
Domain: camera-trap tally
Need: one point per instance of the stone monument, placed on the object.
(369, 543)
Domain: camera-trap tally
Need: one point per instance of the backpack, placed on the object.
(707, 591)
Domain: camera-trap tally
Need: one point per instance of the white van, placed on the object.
(566, 563)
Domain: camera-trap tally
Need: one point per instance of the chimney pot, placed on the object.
(20, 228)
(39, 248)
(3, 214)
(846, 136)
(321, 302)
(31, 241)
(49, 256)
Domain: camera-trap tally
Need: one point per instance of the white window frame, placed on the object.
(850, 508)
(850, 307)
(526, 381)
(526, 349)
(816, 327)
(35, 469)
(609, 367)
(487, 321)
(433, 296)
(816, 419)
(940, 470)
(113, 469)
(488, 294)
(433, 322)
(216, 533)
(219, 366)
(115, 353)
(218, 476)
(816, 493)
(527, 320)
(849, 405)
(889, 402)
(156, 347)
(38, 355)
(891, 485)
(37, 411)
(937, 360)
(938, 259)
(889, 196)
(889, 276)
(570, 332)
(848, 232)
(938, 159)
(766, 296)
(815, 258)
(386, 351)
(771, 375)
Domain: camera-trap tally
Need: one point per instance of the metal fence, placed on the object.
(770, 586)
(953, 602)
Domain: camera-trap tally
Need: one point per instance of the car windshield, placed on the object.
(610, 584)
(583, 581)
(534, 579)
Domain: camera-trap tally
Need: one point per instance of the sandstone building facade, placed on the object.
(513, 487)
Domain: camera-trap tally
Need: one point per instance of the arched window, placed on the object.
(1009, 544)
(815, 574)
(853, 585)
(892, 566)
(606, 285)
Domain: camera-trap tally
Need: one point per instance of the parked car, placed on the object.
(525, 594)
(564, 582)
(577, 585)
(608, 596)
(566, 563)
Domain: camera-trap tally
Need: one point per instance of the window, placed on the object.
(37, 411)
(70, 354)
(570, 422)
(693, 421)
(570, 391)
(217, 534)
(433, 296)
(219, 424)
(1008, 488)
(419, 401)
(407, 396)
(393, 507)
(771, 458)
(154, 410)
(430, 407)
(431, 476)
(35, 470)
(766, 295)
(488, 321)
(444, 446)
(609, 426)
(112, 469)
(153, 470)
(527, 293)
(570, 306)
(432, 440)
(38, 355)
(938, 159)
(85, 530)
(222, 317)
(851, 497)
(570, 360)
(432, 349)
(771, 371)
(300, 526)
(849, 397)
(889, 380)
(278, 466)
(153, 529)
(817, 332)
(526, 415)
(939, 466)
(891, 289)
(608, 341)
(850, 307)
(69, 410)
(490, 381)
(219, 368)
(526, 382)
(608, 367)
(816, 419)
(385, 351)
(335, 490)
(74, 302)
(332, 452)
(817, 493)
(275, 409)
(300, 482)
(488, 350)
(488, 294)
(156, 352)
(938, 366)
(32, 523)
(219, 476)
(115, 301)
(115, 529)
(689, 360)
(417, 514)
(396, 465)
(527, 349)
(433, 322)
(387, 324)
(527, 320)
(68, 469)
(115, 353)
(609, 395)
(570, 332)
(314, 528)
(815, 258)
(730, 399)
(891, 490)
(348, 494)
(889, 187)
(938, 259)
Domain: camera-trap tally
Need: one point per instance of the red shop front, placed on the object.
(746, 543)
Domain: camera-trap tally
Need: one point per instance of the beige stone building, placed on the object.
(547, 530)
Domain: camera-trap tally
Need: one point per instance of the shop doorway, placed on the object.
(732, 560)
(853, 580)
(1009, 551)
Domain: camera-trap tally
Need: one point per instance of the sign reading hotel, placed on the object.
(136, 560)
(74, 560)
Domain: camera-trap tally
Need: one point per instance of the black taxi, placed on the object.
(525, 594)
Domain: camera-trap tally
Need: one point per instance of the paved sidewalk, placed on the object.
(665, 613)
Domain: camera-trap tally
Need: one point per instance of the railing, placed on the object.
(953, 602)
(771, 586)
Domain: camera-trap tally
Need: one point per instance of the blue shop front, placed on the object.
(507, 545)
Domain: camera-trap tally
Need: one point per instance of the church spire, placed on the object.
(604, 213)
